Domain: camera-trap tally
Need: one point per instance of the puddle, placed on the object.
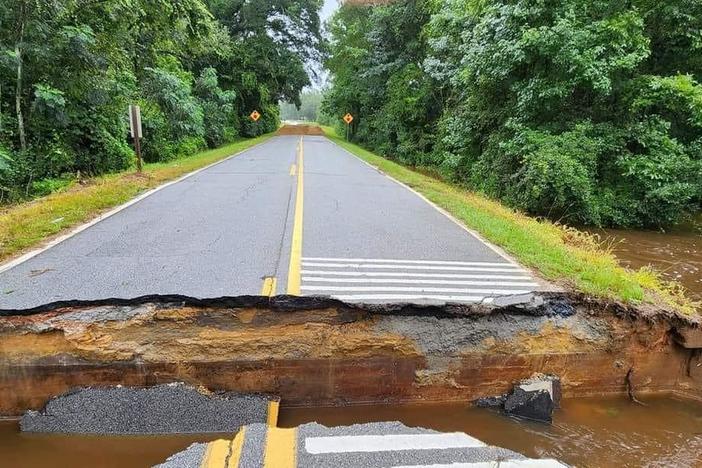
(587, 432)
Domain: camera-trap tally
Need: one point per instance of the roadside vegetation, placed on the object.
(582, 111)
(560, 254)
(69, 70)
(25, 225)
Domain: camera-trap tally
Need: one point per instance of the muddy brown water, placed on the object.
(677, 254)
(588, 432)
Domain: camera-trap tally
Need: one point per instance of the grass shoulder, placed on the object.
(26, 225)
(560, 254)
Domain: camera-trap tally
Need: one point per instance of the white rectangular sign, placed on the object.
(135, 121)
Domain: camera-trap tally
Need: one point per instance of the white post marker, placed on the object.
(135, 132)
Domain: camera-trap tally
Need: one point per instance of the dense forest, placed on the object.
(70, 68)
(586, 111)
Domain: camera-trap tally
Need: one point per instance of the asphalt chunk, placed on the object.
(163, 409)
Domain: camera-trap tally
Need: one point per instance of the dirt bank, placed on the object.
(317, 352)
(301, 129)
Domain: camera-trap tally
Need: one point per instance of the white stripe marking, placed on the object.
(389, 443)
(507, 268)
(406, 262)
(419, 290)
(529, 463)
(409, 297)
(416, 275)
(313, 279)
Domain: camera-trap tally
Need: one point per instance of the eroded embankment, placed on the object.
(319, 352)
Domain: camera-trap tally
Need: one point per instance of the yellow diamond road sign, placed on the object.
(255, 116)
(348, 118)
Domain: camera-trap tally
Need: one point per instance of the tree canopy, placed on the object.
(70, 68)
(588, 111)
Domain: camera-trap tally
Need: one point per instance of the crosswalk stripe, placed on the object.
(411, 297)
(507, 268)
(405, 262)
(389, 443)
(530, 463)
(378, 274)
(313, 279)
(407, 289)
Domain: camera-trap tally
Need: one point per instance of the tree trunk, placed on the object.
(18, 101)
(18, 91)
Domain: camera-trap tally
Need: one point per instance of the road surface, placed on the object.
(294, 215)
(358, 446)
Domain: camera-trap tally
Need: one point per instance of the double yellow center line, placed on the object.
(269, 283)
(296, 243)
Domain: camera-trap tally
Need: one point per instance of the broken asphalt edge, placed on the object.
(533, 304)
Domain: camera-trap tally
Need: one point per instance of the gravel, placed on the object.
(163, 409)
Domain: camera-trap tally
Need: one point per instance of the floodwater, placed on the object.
(677, 254)
(589, 432)
(18, 450)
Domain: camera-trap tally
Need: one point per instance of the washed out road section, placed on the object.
(216, 233)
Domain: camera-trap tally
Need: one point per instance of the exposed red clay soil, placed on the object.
(339, 355)
(302, 129)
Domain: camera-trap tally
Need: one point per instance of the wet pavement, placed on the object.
(295, 215)
(358, 446)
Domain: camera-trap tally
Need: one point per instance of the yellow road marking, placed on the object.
(281, 448)
(269, 285)
(296, 243)
(273, 407)
(237, 446)
(216, 454)
(293, 169)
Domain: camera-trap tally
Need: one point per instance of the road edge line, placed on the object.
(77, 230)
(456, 221)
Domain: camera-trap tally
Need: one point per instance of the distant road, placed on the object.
(297, 215)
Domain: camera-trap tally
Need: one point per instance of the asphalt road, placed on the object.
(294, 215)
(362, 445)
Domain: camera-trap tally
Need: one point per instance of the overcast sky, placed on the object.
(328, 8)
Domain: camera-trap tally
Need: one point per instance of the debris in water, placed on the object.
(533, 398)
(630, 388)
(536, 405)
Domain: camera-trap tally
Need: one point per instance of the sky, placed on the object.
(328, 8)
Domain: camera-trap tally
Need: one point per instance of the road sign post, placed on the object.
(348, 118)
(135, 132)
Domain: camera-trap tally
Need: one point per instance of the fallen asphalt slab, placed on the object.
(164, 409)
(389, 444)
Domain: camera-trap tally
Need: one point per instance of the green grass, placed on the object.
(27, 224)
(562, 255)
